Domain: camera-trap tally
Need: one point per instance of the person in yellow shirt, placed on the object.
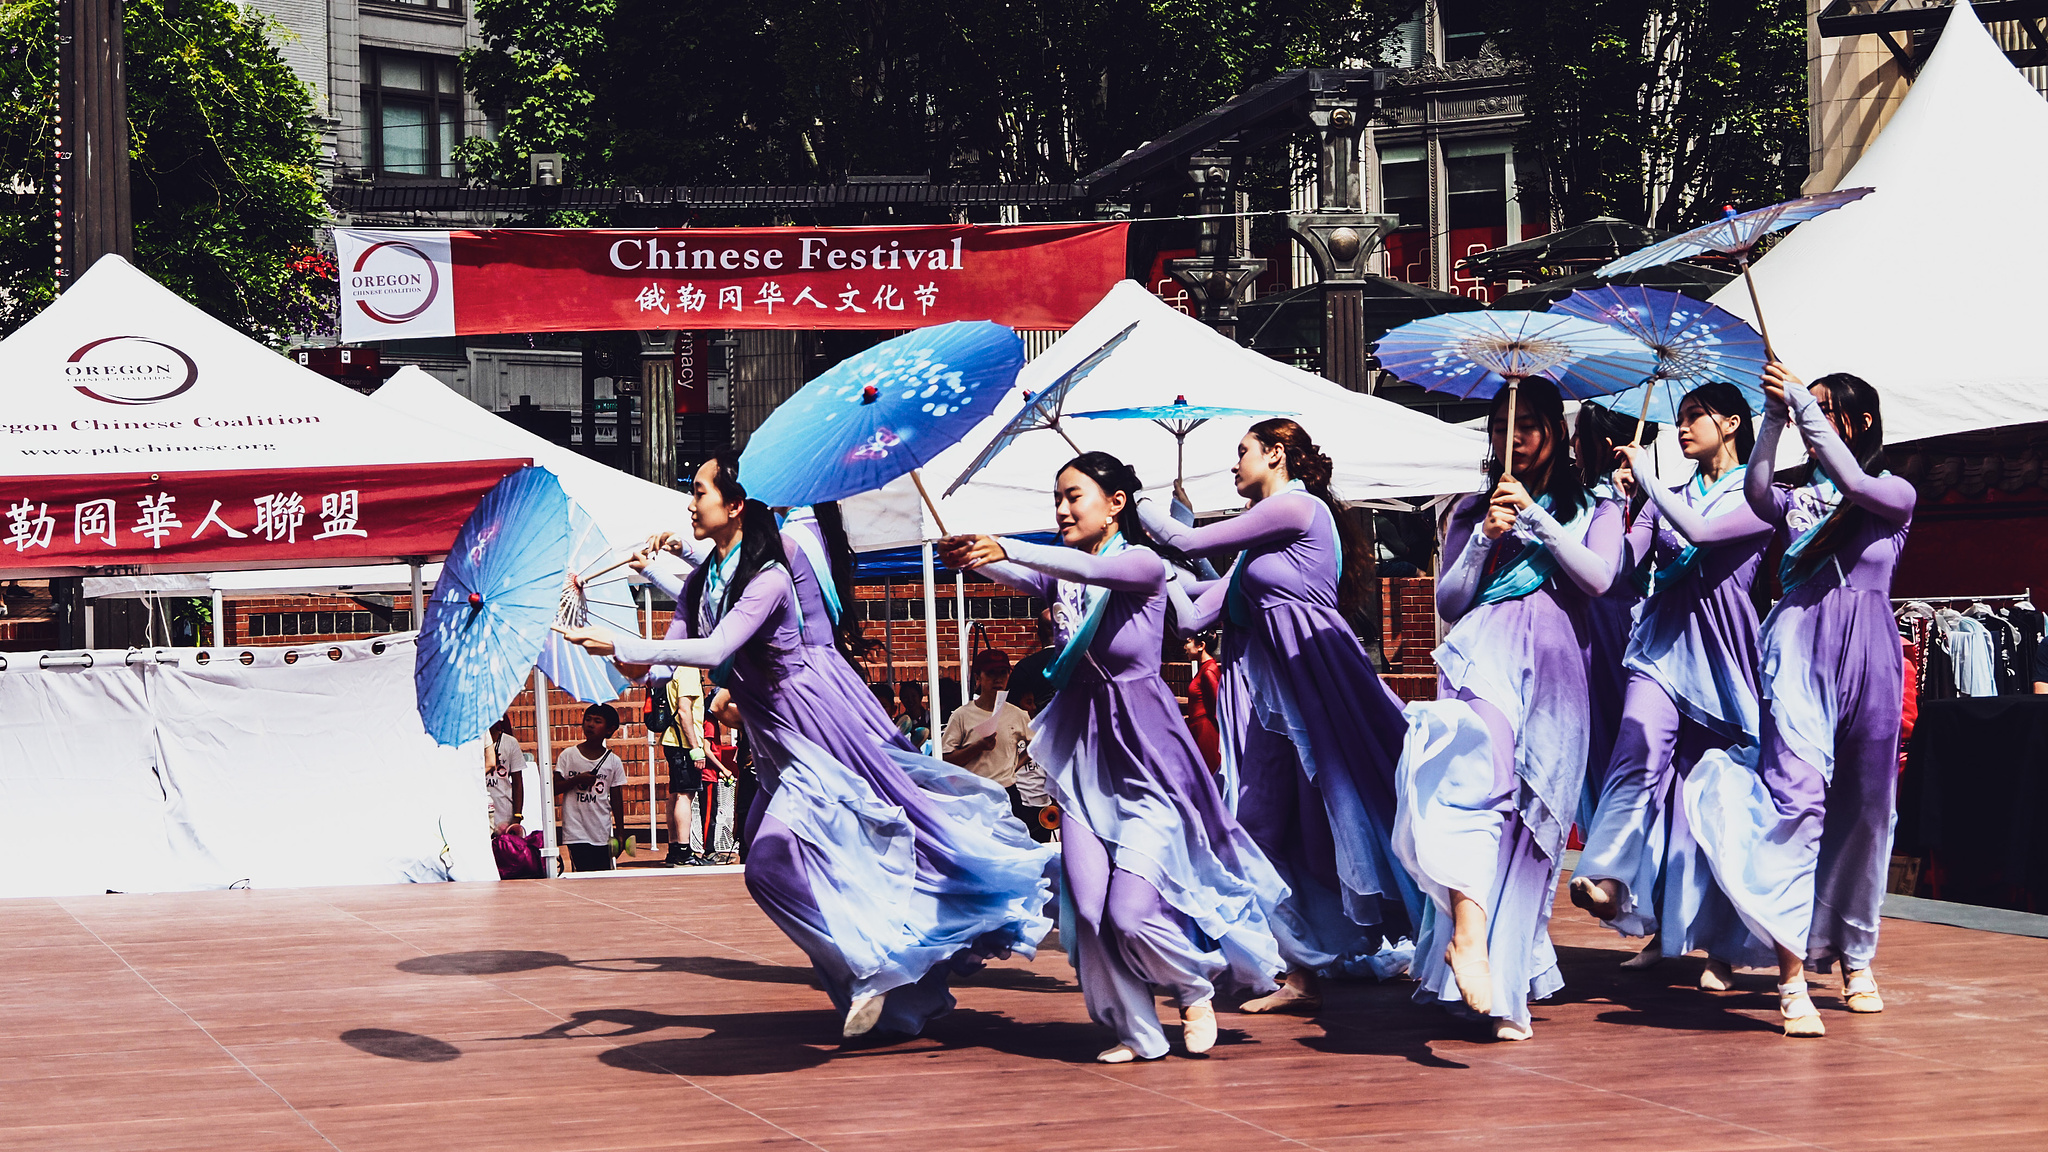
(682, 744)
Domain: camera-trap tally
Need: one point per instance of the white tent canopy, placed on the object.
(1930, 287)
(121, 392)
(1380, 449)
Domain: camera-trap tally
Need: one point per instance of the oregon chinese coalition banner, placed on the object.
(416, 283)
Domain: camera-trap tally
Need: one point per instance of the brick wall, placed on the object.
(1408, 636)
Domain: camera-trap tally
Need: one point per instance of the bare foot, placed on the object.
(1651, 956)
(1298, 992)
(1467, 954)
(1198, 1027)
(1600, 897)
(1717, 976)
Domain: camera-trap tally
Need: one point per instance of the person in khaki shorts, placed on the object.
(682, 744)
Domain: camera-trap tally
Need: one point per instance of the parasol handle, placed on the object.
(1757, 307)
(607, 568)
(918, 480)
(1643, 414)
(1063, 435)
(1508, 456)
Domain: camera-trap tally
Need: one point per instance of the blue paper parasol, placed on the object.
(1695, 343)
(1736, 234)
(1473, 354)
(606, 598)
(492, 606)
(1179, 418)
(1041, 411)
(887, 411)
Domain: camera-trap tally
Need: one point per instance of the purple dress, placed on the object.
(1802, 844)
(1310, 734)
(888, 868)
(1609, 616)
(1691, 668)
(1163, 887)
(1490, 774)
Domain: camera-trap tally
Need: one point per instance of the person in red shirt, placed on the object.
(1202, 699)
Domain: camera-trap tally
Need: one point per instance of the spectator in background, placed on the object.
(885, 695)
(1202, 698)
(985, 737)
(915, 722)
(505, 778)
(1028, 688)
(588, 776)
(682, 744)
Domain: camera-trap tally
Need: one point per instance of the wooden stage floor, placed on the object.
(664, 1011)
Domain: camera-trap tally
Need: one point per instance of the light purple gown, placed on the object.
(1490, 774)
(1609, 616)
(1691, 667)
(1164, 889)
(1310, 734)
(1802, 844)
(889, 869)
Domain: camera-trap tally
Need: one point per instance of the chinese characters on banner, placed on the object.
(446, 283)
(236, 517)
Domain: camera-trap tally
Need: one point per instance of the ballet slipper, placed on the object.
(1297, 993)
(1859, 990)
(1505, 1029)
(862, 1017)
(1588, 894)
(1801, 1017)
(1717, 976)
(1121, 1054)
(1198, 1027)
(1651, 956)
(1475, 978)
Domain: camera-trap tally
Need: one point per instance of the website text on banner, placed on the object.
(416, 283)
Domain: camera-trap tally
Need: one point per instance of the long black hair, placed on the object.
(1855, 401)
(1311, 465)
(1561, 481)
(1113, 476)
(1724, 399)
(1600, 431)
(839, 554)
(760, 540)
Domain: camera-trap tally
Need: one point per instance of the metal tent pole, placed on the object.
(220, 620)
(960, 607)
(653, 741)
(419, 597)
(544, 751)
(931, 646)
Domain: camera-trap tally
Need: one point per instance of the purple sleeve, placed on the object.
(1017, 576)
(1890, 497)
(1131, 570)
(1587, 561)
(1270, 522)
(1197, 604)
(1457, 583)
(767, 593)
(1737, 524)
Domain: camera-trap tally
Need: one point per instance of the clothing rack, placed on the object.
(2025, 594)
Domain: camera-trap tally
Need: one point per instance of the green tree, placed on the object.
(691, 91)
(222, 155)
(1660, 111)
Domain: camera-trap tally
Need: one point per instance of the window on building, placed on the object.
(413, 106)
(1404, 191)
(448, 6)
(1465, 28)
(1478, 194)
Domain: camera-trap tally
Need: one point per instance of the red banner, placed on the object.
(241, 518)
(446, 283)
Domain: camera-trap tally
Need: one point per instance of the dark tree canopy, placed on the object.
(222, 154)
(1660, 111)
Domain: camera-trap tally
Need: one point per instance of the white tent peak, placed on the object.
(1379, 449)
(1930, 287)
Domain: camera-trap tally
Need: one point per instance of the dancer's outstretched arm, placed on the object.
(1270, 522)
(765, 594)
(1735, 524)
(1890, 497)
(1197, 604)
(1131, 570)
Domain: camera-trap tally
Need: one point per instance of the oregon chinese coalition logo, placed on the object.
(130, 370)
(393, 282)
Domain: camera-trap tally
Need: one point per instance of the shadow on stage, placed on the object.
(507, 962)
